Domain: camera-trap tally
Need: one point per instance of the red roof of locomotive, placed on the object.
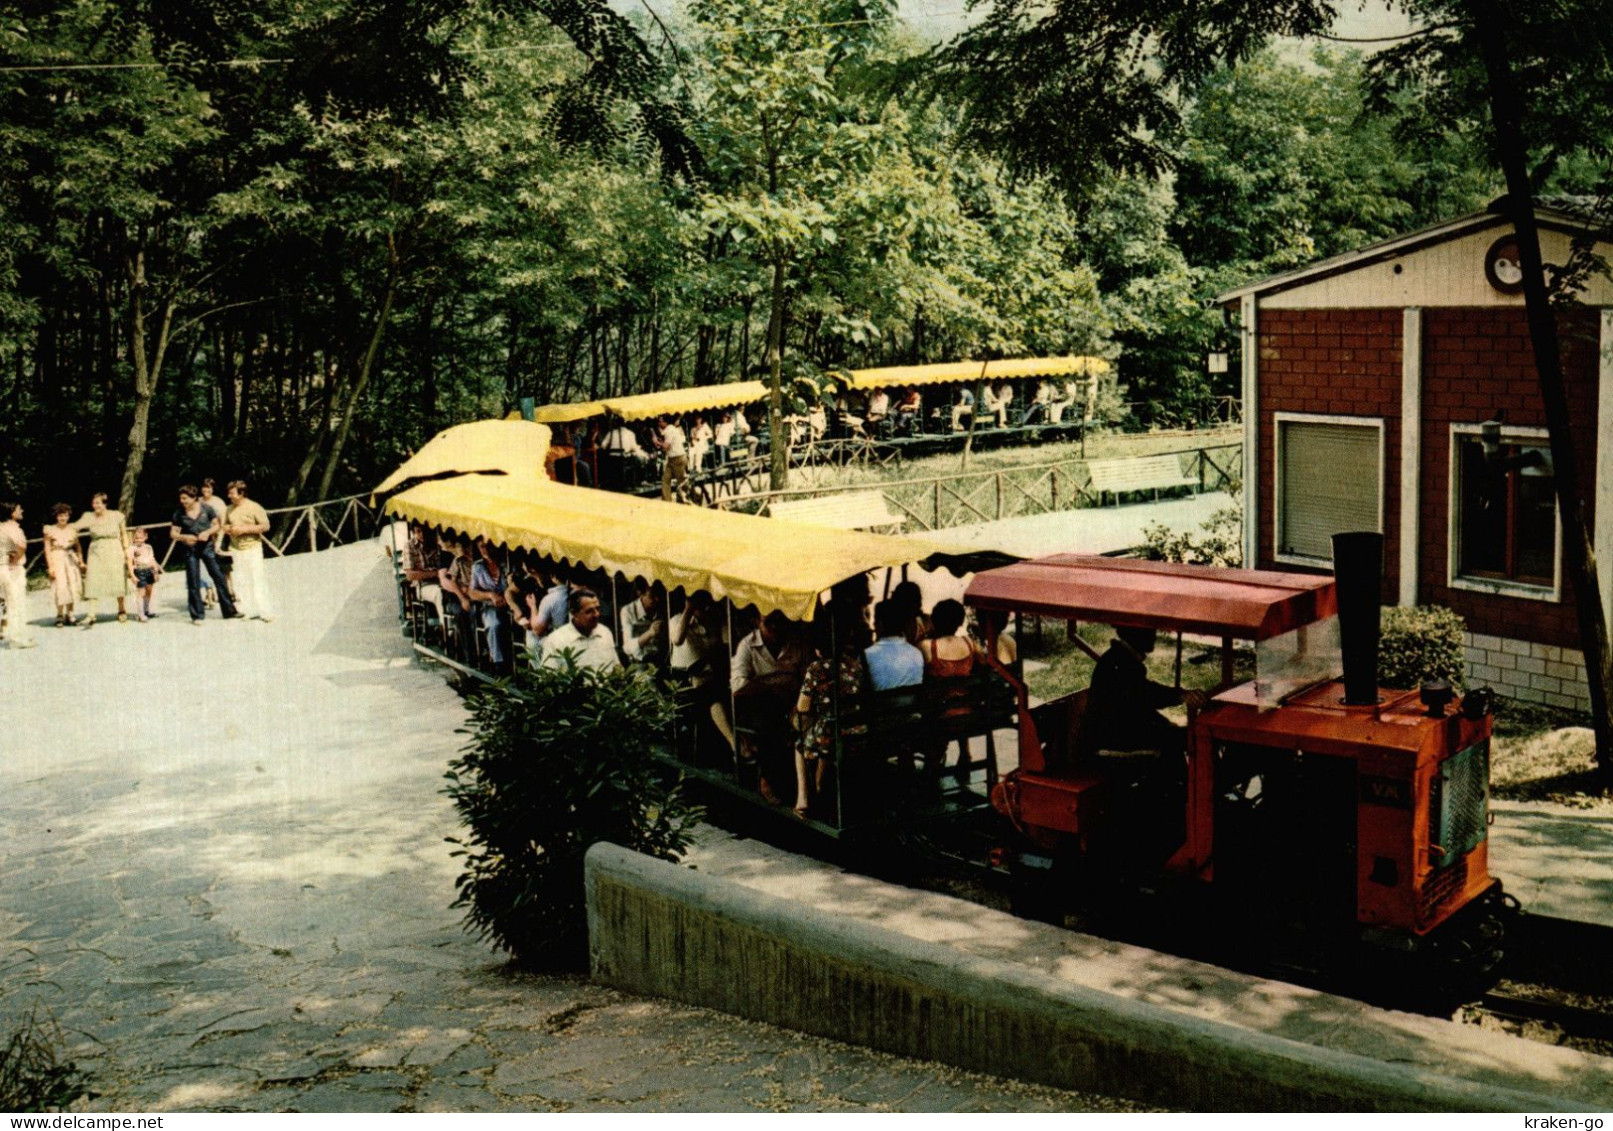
(1246, 604)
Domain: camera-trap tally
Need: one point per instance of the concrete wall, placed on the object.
(659, 929)
(1534, 673)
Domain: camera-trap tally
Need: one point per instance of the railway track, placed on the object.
(1586, 1027)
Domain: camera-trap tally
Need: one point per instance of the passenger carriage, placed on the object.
(485, 480)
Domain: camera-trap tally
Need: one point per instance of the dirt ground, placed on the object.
(1545, 754)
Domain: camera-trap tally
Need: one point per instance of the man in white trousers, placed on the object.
(246, 523)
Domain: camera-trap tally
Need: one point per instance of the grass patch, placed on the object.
(33, 1074)
(1057, 666)
(1542, 753)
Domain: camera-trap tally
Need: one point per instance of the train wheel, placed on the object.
(1462, 961)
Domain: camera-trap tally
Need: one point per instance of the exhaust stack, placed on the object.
(1358, 576)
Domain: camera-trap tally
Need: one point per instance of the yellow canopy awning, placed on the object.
(953, 372)
(770, 563)
(674, 402)
(568, 413)
(515, 448)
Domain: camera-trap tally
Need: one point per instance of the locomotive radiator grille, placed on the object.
(1459, 805)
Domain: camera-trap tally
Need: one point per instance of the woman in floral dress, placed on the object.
(107, 572)
(837, 674)
(63, 563)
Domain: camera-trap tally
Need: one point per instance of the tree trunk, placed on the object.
(777, 436)
(1579, 559)
(147, 371)
(356, 387)
(315, 445)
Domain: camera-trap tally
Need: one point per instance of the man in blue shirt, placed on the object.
(197, 529)
(892, 661)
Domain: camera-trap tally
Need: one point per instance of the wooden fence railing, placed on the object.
(306, 528)
(941, 502)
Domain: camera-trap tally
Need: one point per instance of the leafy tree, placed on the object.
(786, 144)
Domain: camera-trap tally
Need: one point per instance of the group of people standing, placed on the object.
(88, 561)
(97, 557)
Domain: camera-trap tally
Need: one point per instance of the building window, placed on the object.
(1329, 481)
(1505, 532)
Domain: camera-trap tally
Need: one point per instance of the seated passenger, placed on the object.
(700, 657)
(722, 437)
(455, 579)
(817, 421)
(948, 656)
(523, 594)
(963, 405)
(836, 675)
(910, 600)
(909, 410)
(993, 405)
(1123, 703)
(552, 608)
(581, 638)
(621, 440)
(1060, 398)
(487, 585)
(765, 677)
(1005, 401)
(879, 407)
(700, 437)
(1038, 410)
(892, 661)
(768, 654)
(644, 630)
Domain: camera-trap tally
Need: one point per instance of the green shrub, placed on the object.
(33, 1075)
(1219, 541)
(1420, 643)
(557, 761)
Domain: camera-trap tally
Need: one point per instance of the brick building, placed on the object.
(1365, 380)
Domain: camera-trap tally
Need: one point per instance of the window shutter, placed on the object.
(1330, 484)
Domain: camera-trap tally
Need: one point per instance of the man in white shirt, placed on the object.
(582, 638)
(674, 446)
(620, 440)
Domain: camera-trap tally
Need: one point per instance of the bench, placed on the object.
(854, 510)
(1141, 473)
(907, 731)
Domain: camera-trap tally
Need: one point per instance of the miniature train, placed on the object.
(1296, 799)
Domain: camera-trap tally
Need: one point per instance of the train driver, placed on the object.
(1123, 704)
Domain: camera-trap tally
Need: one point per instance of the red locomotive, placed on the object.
(1297, 796)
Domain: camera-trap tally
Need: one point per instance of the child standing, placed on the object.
(143, 564)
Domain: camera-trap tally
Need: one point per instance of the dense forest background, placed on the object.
(291, 244)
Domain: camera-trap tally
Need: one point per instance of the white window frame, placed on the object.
(1531, 437)
(1281, 418)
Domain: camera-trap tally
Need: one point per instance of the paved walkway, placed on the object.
(224, 873)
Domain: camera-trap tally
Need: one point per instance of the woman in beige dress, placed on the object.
(64, 563)
(107, 572)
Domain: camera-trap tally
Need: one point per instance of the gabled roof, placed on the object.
(1555, 215)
